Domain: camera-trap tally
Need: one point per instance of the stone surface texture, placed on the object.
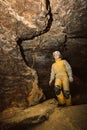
(13, 118)
(46, 115)
(30, 30)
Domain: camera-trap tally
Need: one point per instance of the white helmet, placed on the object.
(57, 53)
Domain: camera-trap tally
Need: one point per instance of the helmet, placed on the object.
(57, 53)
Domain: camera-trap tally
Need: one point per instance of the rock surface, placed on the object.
(17, 80)
(69, 118)
(29, 32)
(45, 116)
(14, 117)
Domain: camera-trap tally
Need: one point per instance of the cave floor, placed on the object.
(68, 118)
(45, 116)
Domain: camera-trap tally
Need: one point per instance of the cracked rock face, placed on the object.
(29, 32)
(17, 80)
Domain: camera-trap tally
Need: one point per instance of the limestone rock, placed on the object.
(18, 20)
(46, 115)
(69, 16)
(29, 32)
(70, 118)
(15, 117)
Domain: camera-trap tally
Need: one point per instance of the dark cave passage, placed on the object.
(42, 64)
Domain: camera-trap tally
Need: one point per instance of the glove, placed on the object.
(50, 83)
(71, 79)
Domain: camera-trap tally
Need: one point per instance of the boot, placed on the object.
(61, 99)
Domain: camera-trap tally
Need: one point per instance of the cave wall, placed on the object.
(30, 31)
(18, 82)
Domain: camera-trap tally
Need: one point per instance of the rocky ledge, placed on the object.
(15, 117)
(47, 115)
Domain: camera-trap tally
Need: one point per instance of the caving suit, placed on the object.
(61, 71)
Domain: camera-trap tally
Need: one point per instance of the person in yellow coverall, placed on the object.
(61, 72)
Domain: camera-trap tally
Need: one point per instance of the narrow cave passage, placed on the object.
(42, 64)
(39, 60)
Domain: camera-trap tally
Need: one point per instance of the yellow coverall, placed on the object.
(62, 73)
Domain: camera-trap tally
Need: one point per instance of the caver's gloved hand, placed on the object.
(50, 83)
(71, 79)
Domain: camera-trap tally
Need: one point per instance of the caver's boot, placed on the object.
(60, 96)
(61, 99)
(67, 98)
